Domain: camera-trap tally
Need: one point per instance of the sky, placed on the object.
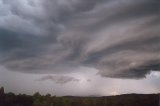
(80, 47)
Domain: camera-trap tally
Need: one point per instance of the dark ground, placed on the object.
(10, 99)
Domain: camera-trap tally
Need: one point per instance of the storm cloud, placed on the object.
(119, 38)
(59, 79)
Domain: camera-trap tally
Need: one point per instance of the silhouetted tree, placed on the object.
(2, 96)
(10, 99)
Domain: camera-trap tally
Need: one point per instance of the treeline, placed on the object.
(10, 99)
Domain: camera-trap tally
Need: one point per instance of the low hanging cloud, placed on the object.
(120, 38)
(59, 79)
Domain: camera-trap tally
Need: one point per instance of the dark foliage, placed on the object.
(10, 99)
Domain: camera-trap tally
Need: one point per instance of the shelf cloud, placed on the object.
(119, 38)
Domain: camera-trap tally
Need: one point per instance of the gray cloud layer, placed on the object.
(120, 38)
(59, 79)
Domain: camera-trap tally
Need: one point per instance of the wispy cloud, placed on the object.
(59, 79)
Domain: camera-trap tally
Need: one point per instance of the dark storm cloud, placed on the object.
(59, 79)
(63, 10)
(19, 47)
(120, 38)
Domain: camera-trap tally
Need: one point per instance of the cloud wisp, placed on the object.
(59, 79)
(120, 38)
